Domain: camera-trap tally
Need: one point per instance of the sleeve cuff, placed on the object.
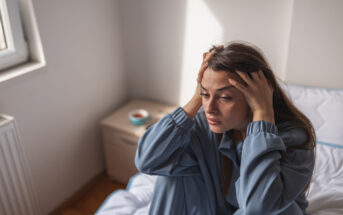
(181, 118)
(261, 126)
(261, 138)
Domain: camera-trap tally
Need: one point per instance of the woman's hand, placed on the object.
(192, 107)
(206, 57)
(258, 93)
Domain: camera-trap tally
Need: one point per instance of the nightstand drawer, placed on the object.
(120, 149)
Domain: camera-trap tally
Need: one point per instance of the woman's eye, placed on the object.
(204, 95)
(225, 98)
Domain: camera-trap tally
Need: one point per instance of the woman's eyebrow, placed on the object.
(202, 87)
(220, 89)
(226, 87)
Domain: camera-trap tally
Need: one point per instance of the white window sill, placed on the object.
(36, 54)
(20, 70)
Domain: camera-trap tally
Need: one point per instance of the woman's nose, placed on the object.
(212, 106)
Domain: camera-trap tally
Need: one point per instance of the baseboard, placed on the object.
(78, 194)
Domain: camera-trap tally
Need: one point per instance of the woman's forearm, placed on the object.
(162, 148)
(192, 107)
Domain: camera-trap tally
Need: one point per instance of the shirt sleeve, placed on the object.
(271, 179)
(164, 149)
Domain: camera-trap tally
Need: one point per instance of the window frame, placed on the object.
(35, 58)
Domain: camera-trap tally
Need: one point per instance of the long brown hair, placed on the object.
(244, 57)
(239, 56)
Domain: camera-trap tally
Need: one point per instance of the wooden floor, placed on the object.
(95, 195)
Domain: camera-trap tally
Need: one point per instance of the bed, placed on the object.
(324, 107)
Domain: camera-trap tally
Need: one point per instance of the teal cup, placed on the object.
(139, 116)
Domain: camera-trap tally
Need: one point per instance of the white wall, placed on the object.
(316, 44)
(164, 40)
(153, 44)
(58, 108)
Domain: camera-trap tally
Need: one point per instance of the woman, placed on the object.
(238, 146)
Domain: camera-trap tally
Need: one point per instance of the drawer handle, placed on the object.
(130, 142)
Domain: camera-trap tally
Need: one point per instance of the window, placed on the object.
(13, 46)
(20, 45)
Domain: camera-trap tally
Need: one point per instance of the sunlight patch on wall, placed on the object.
(201, 31)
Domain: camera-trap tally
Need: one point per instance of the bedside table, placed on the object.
(120, 137)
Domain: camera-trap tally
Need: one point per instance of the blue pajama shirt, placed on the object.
(187, 157)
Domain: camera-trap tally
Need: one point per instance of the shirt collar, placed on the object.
(231, 150)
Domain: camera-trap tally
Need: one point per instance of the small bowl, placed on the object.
(138, 116)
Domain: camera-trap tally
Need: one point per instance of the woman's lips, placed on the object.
(213, 121)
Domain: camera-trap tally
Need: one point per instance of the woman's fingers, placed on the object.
(257, 78)
(206, 57)
(264, 79)
(201, 71)
(209, 55)
(255, 75)
(239, 86)
(245, 78)
(262, 76)
(203, 67)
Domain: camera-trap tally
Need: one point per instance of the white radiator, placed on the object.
(16, 194)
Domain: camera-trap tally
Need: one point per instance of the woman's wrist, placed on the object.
(264, 115)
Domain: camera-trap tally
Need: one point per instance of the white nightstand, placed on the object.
(120, 137)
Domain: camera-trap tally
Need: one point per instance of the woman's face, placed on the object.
(225, 106)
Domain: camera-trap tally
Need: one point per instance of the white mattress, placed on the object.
(325, 109)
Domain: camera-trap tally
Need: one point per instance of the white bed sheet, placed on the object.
(135, 200)
(326, 189)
